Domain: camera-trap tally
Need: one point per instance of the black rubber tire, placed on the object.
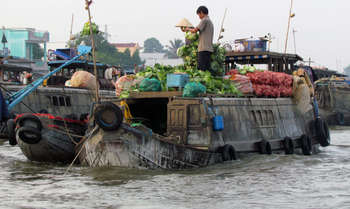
(113, 109)
(11, 132)
(322, 132)
(43, 111)
(25, 130)
(288, 146)
(265, 147)
(306, 145)
(228, 153)
(31, 117)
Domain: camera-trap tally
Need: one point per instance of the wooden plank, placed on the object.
(160, 94)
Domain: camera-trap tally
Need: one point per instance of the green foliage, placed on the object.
(194, 89)
(38, 52)
(189, 53)
(152, 45)
(107, 53)
(150, 84)
(86, 29)
(171, 52)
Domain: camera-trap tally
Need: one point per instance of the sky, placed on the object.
(322, 26)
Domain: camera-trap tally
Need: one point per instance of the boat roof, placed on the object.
(262, 57)
(78, 64)
(14, 68)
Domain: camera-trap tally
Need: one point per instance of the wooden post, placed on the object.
(93, 50)
(289, 18)
(270, 64)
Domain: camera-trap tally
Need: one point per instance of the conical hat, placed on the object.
(184, 23)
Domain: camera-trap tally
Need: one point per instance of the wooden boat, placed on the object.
(333, 96)
(172, 132)
(45, 138)
(181, 133)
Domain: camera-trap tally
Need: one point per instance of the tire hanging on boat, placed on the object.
(306, 145)
(32, 118)
(265, 147)
(322, 132)
(228, 153)
(108, 116)
(29, 135)
(11, 125)
(288, 146)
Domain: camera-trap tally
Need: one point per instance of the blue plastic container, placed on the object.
(177, 80)
(218, 123)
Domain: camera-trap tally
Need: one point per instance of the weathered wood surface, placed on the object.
(190, 140)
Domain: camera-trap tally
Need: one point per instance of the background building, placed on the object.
(26, 43)
(122, 47)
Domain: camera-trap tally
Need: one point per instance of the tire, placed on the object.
(11, 126)
(306, 145)
(288, 146)
(228, 153)
(265, 147)
(322, 132)
(108, 116)
(30, 117)
(29, 135)
(43, 111)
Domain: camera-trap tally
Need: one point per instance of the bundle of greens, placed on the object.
(214, 85)
(189, 53)
(86, 29)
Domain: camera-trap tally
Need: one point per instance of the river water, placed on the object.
(254, 181)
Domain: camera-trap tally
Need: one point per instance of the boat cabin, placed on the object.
(277, 62)
(60, 56)
(11, 72)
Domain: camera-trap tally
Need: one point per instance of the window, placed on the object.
(61, 101)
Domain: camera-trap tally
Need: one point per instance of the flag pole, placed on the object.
(87, 7)
(289, 18)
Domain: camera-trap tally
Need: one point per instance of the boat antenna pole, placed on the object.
(87, 7)
(289, 19)
(295, 44)
(222, 26)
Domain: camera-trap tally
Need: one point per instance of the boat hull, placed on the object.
(250, 125)
(334, 102)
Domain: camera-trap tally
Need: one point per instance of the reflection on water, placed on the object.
(254, 181)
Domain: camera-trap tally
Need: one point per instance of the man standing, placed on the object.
(206, 33)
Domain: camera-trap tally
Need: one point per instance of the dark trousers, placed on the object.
(204, 59)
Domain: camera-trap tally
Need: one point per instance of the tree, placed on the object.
(175, 44)
(152, 45)
(108, 54)
(38, 52)
(347, 70)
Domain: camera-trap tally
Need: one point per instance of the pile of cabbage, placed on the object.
(86, 29)
(215, 84)
(189, 53)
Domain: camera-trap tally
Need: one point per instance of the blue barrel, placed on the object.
(218, 123)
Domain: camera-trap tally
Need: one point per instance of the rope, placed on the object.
(81, 149)
(127, 113)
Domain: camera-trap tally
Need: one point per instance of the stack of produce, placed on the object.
(86, 29)
(189, 53)
(271, 84)
(213, 85)
(82, 79)
(242, 83)
(263, 83)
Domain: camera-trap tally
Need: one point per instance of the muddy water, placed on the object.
(255, 181)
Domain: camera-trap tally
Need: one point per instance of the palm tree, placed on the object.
(175, 44)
